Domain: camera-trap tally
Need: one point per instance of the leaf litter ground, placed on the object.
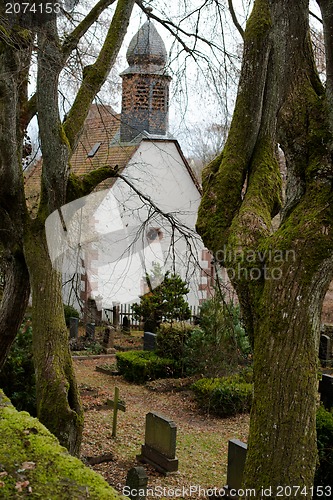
(202, 440)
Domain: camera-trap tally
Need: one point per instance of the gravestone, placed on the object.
(108, 340)
(326, 391)
(236, 463)
(90, 331)
(126, 324)
(115, 316)
(325, 350)
(136, 483)
(159, 449)
(149, 341)
(73, 328)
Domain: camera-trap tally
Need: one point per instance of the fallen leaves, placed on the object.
(20, 485)
(28, 466)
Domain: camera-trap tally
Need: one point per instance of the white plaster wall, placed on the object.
(115, 224)
(159, 173)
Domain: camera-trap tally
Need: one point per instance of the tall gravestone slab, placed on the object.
(326, 391)
(90, 331)
(126, 325)
(325, 350)
(159, 449)
(73, 328)
(149, 341)
(108, 340)
(236, 463)
(136, 483)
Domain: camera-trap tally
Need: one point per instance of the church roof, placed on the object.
(98, 146)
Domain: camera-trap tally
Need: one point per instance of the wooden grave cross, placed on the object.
(116, 405)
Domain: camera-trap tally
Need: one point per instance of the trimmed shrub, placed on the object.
(139, 366)
(171, 339)
(324, 472)
(224, 396)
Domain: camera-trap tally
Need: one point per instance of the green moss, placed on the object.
(259, 21)
(54, 474)
(77, 187)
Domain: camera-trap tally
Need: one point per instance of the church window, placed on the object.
(94, 150)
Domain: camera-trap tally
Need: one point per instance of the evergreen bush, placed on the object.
(70, 312)
(220, 344)
(171, 339)
(324, 472)
(17, 377)
(165, 302)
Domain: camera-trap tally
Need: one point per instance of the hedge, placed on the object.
(139, 366)
(224, 396)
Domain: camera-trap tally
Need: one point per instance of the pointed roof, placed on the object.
(146, 52)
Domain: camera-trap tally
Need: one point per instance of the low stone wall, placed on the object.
(32, 462)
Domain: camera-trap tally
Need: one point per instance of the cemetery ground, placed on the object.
(202, 440)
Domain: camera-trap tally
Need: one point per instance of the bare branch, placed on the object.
(95, 75)
(30, 111)
(174, 29)
(315, 16)
(234, 19)
(73, 38)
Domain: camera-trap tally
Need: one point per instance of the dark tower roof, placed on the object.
(146, 52)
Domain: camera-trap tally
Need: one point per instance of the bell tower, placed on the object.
(145, 88)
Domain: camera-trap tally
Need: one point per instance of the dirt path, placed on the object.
(201, 440)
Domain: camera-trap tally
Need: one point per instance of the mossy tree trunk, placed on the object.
(57, 396)
(281, 269)
(58, 401)
(15, 53)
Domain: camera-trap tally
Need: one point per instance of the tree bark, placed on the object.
(58, 401)
(14, 302)
(281, 275)
(15, 53)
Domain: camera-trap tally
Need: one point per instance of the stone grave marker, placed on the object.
(149, 341)
(136, 483)
(236, 463)
(90, 331)
(326, 391)
(73, 328)
(126, 325)
(108, 340)
(325, 350)
(159, 449)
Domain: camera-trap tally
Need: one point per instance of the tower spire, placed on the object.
(145, 97)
